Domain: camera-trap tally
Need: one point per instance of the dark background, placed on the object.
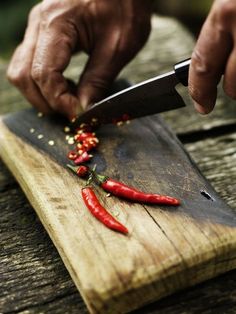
(13, 18)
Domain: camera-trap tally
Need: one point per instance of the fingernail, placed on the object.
(78, 109)
(201, 109)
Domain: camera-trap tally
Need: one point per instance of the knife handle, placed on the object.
(181, 71)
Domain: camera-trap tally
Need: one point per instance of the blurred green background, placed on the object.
(13, 18)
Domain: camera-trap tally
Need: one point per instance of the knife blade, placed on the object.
(149, 97)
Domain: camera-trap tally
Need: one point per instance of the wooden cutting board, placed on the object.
(166, 249)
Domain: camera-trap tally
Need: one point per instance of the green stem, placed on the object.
(98, 177)
(74, 169)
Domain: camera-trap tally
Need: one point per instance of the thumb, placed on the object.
(99, 73)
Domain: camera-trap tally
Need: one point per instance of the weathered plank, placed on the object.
(33, 251)
(216, 158)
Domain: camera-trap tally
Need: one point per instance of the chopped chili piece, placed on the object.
(81, 151)
(72, 155)
(82, 158)
(81, 171)
(81, 137)
(90, 143)
(98, 211)
(125, 117)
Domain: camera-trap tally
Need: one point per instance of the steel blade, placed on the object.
(149, 97)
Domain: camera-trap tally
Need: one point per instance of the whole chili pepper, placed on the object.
(122, 190)
(98, 211)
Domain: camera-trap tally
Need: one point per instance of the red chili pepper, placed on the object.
(82, 158)
(81, 171)
(122, 190)
(98, 211)
(72, 155)
(90, 143)
(82, 136)
(125, 117)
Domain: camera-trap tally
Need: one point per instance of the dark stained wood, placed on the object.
(144, 153)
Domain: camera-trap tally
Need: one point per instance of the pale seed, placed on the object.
(51, 143)
(66, 129)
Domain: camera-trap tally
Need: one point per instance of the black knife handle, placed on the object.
(181, 71)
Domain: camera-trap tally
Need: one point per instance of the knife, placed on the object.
(152, 96)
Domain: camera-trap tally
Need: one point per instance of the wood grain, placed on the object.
(47, 287)
(163, 254)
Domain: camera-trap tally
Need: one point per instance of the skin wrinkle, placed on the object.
(214, 56)
(111, 32)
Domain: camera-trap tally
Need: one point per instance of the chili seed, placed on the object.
(80, 151)
(51, 143)
(32, 130)
(66, 129)
(71, 141)
(40, 136)
(115, 213)
(72, 155)
(40, 114)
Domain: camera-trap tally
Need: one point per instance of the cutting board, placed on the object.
(167, 248)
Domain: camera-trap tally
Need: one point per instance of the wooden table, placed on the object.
(32, 276)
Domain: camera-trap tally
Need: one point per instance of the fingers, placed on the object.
(19, 70)
(208, 63)
(37, 65)
(230, 75)
(110, 55)
(112, 32)
(53, 52)
(214, 56)
(97, 76)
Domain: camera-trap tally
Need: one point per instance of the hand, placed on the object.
(213, 56)
(110, 31)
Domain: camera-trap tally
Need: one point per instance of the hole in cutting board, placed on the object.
(206, 195)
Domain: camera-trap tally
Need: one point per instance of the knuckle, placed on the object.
(35, 12)
(55, 12)
(226, 9)
(17, 76)
(38, 73)
(49, 6)
(230, 91)
(99, 83)
(63, 40)
(52, 10)
(201, 65)
(195, 93)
